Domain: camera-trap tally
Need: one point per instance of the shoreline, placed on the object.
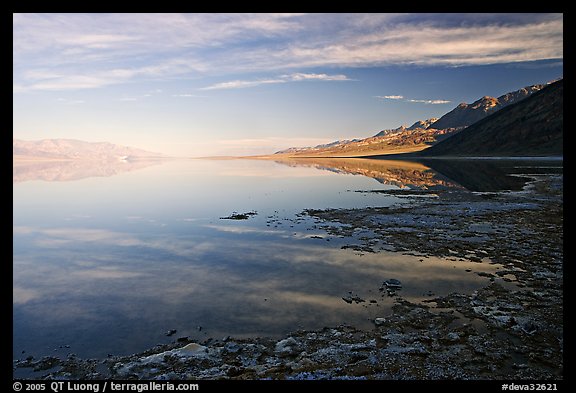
(496, 333)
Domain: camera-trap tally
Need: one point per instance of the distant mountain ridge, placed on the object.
(467, 114)
(530, 127)
(72, 149)
(420, 135)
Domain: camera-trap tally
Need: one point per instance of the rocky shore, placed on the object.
(512, 332)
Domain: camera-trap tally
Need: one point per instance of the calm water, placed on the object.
(108, 259)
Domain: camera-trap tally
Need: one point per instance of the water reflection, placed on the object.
(108, 264)
(68, 170)
(482, 175)
(104, 297)
(403, 174)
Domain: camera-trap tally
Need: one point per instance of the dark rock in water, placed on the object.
(393, 284)
(349, 299)
(239, 216)
(171, 332)
(379, 321)
(183, 339)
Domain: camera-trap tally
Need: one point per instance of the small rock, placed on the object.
(393, 283)
(379, 321)
(171, 332)
(192, 348)
(452, 336)
(529, 327)
(349, 299)
(287, 347)
(231, 347)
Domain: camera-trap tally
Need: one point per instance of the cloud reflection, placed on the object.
(229, 283)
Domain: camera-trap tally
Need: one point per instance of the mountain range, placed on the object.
(531, 127)
(467, 114)
(473, 118)
(71, 149)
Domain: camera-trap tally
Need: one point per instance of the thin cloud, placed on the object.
(187, 95)
(433, 102)
(85, 51)
(240, 84)
(390, 97)
(321, 77)
(70, 102)
(399, 97)
(271, 141)
(296, 77)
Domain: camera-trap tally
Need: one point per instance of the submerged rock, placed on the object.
(393, 283)
(379, 321)
(239, 216)
(356, 299)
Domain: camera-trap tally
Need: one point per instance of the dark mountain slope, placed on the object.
(530, 127)
(465, 115)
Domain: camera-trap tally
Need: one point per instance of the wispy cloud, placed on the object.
(188, 95)
(240, 84)
(139, 97)
(433, 102)
(273, 140)
(299, 76)
(70, 102)
(390, 97)
(402, 98)
(296, 77)
(82, 51)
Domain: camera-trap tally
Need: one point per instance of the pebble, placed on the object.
(379, 321)
(393, 283)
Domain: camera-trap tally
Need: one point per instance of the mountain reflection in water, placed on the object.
(107, 265)
(480, 175)
(68, 170)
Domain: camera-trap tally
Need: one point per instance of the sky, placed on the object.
(238, 84)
